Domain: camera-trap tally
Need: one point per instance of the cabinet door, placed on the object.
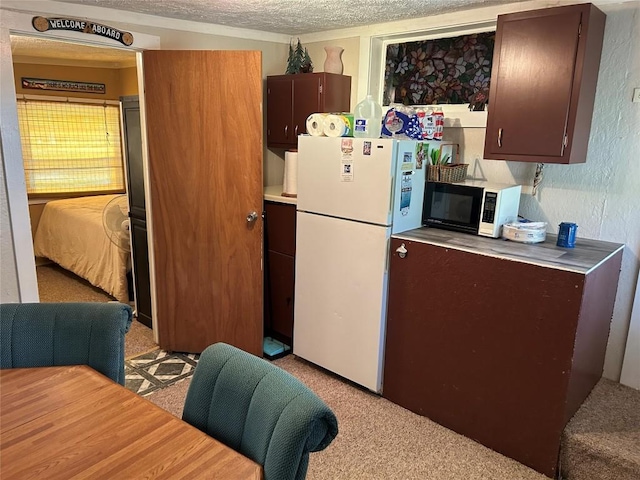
(141, 282)
(281, 227)
(279, 111)
(281, 289)
(280, 245)
(335, 93)
(292, 98)
(543, 84)
(133, 150)
(306, 100)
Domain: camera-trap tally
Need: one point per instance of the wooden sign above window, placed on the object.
(62, 85)
(42, 24)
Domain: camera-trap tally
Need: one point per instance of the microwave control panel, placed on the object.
(489, 207)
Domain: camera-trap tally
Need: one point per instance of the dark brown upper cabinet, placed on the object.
(292, 98)
(543, 83)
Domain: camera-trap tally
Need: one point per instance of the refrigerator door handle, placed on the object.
(392, 196)
(387, 257)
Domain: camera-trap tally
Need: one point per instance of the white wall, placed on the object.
(350, 60)
(9, 291)
(631, 368)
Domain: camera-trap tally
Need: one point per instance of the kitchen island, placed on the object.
(497, 340)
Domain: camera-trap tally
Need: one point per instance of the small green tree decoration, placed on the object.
(307, 64)
(299, 60)
(293, 62)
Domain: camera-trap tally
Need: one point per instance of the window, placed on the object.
(70, 148)
(453, 70)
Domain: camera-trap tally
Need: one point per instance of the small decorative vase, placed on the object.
(333, 62)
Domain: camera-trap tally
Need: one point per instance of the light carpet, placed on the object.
(602, 440)
(55, 284)
(381, 440)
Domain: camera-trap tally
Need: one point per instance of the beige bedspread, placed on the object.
(71, 234)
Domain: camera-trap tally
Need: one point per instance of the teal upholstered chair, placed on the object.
(259, 410)
(55, 334)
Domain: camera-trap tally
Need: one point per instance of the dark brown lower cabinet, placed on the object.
(281, 284)
(501, 351)
(280, 238)
(142, 283)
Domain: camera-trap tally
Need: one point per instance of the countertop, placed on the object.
(584, 257)
(273, 193)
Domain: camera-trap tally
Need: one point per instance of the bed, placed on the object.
(71, 234)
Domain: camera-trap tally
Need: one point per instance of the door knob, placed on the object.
(252, 217)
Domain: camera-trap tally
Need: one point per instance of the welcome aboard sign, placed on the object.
(42, 24)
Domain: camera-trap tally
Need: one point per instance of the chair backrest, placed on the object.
(55, 334)
(259, 410)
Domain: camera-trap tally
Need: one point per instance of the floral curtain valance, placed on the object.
(445, 70)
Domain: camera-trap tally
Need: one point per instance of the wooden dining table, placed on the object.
(73, 422)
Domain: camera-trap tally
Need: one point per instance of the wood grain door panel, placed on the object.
(281, 280)
(534, 78)
(281, 227)
(306, 100)
(204, 123)
(460, 353)
(279, 111)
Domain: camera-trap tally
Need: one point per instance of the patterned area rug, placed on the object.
(158, 369)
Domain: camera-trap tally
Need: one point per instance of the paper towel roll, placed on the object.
(290, 181)
(315, 124)
(337, 126)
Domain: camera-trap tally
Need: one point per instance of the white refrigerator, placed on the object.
(352, 195)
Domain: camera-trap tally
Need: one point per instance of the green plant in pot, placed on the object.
(437, 159)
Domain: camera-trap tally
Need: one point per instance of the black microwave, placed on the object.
(475, 207)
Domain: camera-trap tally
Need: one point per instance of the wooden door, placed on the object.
(204, 123)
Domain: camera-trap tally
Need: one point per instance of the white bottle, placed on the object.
(367, 118)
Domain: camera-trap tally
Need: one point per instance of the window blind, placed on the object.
(70, 147)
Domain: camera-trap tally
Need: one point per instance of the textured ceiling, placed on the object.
(291, 17)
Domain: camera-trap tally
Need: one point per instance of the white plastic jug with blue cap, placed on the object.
(367, 118)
